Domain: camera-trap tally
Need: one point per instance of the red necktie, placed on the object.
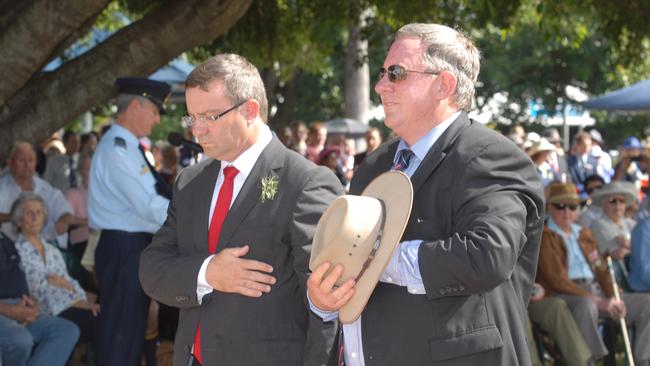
(218, 215)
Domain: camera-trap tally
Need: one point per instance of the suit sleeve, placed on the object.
(165, 274)
(320, 189)
(496, 190)
(318, 192)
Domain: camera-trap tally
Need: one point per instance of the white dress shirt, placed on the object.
(244, 164)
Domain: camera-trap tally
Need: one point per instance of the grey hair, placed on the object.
(448, 50)
(18, 207)
(122, 101)
(241, 78)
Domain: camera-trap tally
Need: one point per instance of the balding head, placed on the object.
(22, 161)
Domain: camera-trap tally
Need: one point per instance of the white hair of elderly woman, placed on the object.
(18, 207)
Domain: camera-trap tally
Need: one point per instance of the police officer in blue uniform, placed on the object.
(128, 201)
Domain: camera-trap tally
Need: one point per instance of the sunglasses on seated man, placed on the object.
(564, 206)
(397, 73)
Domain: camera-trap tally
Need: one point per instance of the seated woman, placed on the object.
(613, 230)
(47, 278)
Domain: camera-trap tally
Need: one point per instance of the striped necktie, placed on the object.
(403, 159)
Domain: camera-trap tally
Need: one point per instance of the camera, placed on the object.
(636, 158)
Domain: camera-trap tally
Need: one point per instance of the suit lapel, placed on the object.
(438, 151)
(268, 164)
(202, 199)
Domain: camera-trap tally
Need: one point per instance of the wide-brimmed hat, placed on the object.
(540, 146)
(563, 193)
(627, 189)
(361, 233)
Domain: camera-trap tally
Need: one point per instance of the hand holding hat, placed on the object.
(354, 241)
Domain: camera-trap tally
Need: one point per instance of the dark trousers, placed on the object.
(85, 320)
(124, 305)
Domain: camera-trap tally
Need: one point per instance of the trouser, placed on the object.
(553, 315)
(637, 314)
(124, 305)
(84, 319)
(54, 337)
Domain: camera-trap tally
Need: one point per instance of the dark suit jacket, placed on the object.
(276, 329)
(478, 206)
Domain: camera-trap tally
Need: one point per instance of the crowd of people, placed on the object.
(597, 206)
(77, 212)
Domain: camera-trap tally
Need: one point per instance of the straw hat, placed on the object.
(353, 226)
(540, 146)
(563, 193)
(627, 189)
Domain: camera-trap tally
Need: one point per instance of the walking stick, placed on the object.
(626, 338)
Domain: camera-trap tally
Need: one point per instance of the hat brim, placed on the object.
(395, 190)
(566, 198)
(600, 195)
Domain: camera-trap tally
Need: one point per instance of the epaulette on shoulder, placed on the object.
(120, 142)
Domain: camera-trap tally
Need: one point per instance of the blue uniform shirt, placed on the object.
(121, 191)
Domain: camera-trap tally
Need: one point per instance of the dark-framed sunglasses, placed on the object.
(564, 206)
(614, 201)
(397, 73)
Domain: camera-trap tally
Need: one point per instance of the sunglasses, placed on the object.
(614, 201)
(397, 73)
(564, 206)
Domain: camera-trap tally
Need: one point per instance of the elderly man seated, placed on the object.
(22, 178)
(571, 268)
(22, 325)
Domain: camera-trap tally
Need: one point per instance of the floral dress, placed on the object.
(51, 299)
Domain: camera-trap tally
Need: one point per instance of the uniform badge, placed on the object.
(119, 142)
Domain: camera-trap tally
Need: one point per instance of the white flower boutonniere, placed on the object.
(269, 188)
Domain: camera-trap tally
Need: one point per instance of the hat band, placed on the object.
(377, 242)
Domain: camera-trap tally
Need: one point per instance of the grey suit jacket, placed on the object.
(478, 206)
(276, 329)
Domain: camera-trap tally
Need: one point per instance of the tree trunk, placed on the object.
(50, 101)
(32, 31)
(285, 112)
(357, 76)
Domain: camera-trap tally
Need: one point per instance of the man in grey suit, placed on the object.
(233, 253)
(456, 289)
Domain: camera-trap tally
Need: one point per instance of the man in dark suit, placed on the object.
(456, 290)
(233, 253)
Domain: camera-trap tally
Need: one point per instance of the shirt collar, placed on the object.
(422, 146)
(575, 229)
(246, 160)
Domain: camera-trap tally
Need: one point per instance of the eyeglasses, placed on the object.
(564, 206)
(614, 201)
(398, 73)
(190, 121)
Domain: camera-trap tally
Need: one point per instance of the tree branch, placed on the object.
(50, 101)
(33, 32)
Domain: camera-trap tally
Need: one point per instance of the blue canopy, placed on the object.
(633, 98)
